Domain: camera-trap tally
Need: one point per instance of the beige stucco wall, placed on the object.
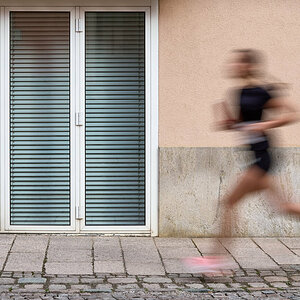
(195, 37)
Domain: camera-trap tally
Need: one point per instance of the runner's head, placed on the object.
(245, 64)
(249, 65)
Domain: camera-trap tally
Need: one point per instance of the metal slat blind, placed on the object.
(39, 118)
(115, 118)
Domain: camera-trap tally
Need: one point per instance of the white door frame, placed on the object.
(77, 133)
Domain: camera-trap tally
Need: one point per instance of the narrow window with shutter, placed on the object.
(115, 118)
(39, 118)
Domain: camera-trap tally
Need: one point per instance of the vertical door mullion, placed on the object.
(80, 63)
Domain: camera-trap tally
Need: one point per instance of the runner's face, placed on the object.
(236, 68)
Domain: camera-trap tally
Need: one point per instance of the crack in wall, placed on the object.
(219, 197)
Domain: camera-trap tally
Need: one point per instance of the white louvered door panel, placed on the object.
(115, 118)
(39, 118)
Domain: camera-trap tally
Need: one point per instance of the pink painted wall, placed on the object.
(195, 38)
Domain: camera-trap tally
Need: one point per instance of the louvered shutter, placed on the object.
(115, 118)
(39, 118)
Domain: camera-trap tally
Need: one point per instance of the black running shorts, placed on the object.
(262, 156)
(263, 160)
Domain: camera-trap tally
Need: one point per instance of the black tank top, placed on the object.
(252, 101)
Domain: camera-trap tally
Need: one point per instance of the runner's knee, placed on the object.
(229, 203)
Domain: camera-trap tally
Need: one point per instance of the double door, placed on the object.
(78, 119)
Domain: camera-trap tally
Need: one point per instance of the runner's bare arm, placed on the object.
(287, 110)
(286, 113)
(228, 117)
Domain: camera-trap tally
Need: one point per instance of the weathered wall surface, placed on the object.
(193, 181)
(195, 37)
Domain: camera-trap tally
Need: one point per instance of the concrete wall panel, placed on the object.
(194, 180)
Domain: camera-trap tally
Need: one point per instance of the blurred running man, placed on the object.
(253, 97)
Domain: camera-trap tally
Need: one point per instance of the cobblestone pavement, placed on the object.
(239, 284)
(96, 267)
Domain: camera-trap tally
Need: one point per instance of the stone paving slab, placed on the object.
(174, 242)
(141, 256)
(30, 243)
(180, 252)
(238, 243)
(175, 266)
(248, 254)
(70, 242)
(256, 263)
(2, 261)
(205, 245)
(7, 239)
(72, 256)
(296, 251)
(115, 266)
(68, 268)
(279, 252)
(291, 243)
(107, 253)
(18, 261)
(145, 269)
(4, 248)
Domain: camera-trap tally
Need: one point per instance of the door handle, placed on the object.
(78, 119)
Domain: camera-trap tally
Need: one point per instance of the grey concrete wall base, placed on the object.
(193, 181)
